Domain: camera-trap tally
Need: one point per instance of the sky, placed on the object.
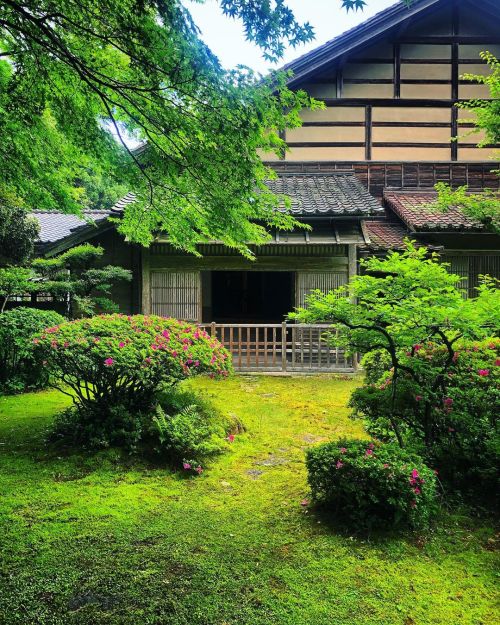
(226, 39)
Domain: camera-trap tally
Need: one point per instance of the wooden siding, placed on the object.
(395, 101)
(471, 266)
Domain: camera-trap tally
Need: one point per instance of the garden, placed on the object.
(143, 481)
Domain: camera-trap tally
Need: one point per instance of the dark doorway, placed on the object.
(251, 296)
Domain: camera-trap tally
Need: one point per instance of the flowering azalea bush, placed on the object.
(454, 426)
(368, 483)
(112, 360)
(18, 368)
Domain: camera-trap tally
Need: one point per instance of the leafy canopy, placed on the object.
(70, 278)
(401, 303)
(79, 78)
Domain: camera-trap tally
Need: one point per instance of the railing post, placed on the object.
(212, 329)
(283, 346)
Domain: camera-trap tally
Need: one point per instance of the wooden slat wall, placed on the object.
(471, 267)
(396, 101)
(176, 294)
(307, 282)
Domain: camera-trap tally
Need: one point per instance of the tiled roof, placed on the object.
(55, 226)
(384, 235)
(416, 210)
(333, 194)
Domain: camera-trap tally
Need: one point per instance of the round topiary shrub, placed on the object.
(18, 368)
(111, 361)
(372, 484)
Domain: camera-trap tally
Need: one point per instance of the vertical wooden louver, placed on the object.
(176, 294)
(324, 281)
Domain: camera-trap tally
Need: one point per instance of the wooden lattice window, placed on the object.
(176, 294)
(310, 281)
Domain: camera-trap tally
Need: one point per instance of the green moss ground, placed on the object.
(101, 539)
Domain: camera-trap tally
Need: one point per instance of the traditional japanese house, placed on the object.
(360, 172)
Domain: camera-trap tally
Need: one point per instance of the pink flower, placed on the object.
(339, 464)
(304, 502)
(483, 372)
(174, 354)
(448, 401)
(386, 466)
(369, 452)
(413, 504)
(121, 344)
(147, 360)
(371, 446)
(418, 397)
(36, 341)
(343, 450)
(230, 438)
(497, 362)
(196, 363)
(186, 466)
(417, 347)
(416, 491)
(199, 470)
(166, 334)
(109, 362)
(414, 473)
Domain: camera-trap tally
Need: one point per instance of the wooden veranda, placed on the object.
(282, 347)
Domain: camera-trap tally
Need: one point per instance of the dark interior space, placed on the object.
(250, 296)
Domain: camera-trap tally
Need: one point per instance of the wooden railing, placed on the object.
(284, 347)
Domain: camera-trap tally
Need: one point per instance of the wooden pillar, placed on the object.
(352, 259)
(353, 270)
(145, 282)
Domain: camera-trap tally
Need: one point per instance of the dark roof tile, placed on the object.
(334, 194)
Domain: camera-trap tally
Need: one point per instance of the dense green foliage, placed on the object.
(79, 78)
(410, 310)
(18, 232)
(484, 206)
(369, 483)
(188, 429)
(18, 368)
(462, 426)
(73, 279)
(112, 361)
(100, 538)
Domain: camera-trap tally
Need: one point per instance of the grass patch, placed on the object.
(103, 539)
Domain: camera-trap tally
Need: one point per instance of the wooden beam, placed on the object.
(397, 70)
(339, 82)
(368, 133)
(145, 282)
(454, 133)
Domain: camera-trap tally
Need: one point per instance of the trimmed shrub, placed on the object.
(456, 429)
(371, 484)
(111, 361)
(19, 370)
